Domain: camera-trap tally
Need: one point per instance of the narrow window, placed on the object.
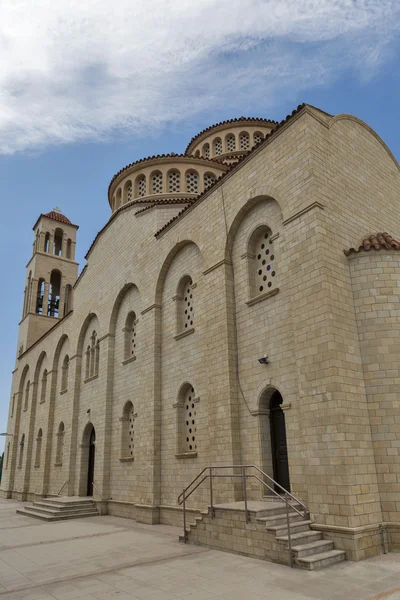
(230, 143)
(128, 431)
(13, 405)
(40, 297)
(141, 186)
(87, 369)
(97, 358)
(244, 141)
(185, 305)
(209, 180)
(38, 448)
(58, 240)
(93, 358)
(21, 451)
(43, 388)
(128, 192)
(130, 336)
(263, 264)
(119, 198)
(187, 420)
(258, 137)
(27, 387)
(217, 147)
(192, 182)
(47, 242)
(206, 150)
(64, 373)
(156, 182)
(69, 248)
(174, 181)
(60, 444)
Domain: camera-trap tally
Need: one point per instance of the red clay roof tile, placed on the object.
(376, 241)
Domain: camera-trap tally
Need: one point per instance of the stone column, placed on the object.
(46, 298)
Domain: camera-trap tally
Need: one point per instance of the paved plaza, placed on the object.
(108, 557)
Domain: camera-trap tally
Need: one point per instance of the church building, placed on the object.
(240, 307)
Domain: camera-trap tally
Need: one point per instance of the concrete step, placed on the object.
(275, 509)
(31, 512)
(62, 503)
(45, 507)
(303, 537)
(279, 519)
(54, 513)
(320, 560)
(304, 550)
(295, 527)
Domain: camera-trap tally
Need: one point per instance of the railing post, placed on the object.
(245, 494)
(289, 536)
(211, 494)
(184, 517)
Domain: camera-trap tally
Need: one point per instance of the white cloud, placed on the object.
(80, 69)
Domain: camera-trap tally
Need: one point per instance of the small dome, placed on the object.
(58, 217)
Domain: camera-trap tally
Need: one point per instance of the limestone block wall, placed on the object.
(376, 288)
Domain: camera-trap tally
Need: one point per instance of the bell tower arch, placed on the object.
(50, 275)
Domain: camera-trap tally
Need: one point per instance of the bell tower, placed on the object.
(50, 275)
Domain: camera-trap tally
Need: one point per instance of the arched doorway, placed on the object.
(90, 477)
(278, 442)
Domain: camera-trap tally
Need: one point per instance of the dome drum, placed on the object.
(167, 177)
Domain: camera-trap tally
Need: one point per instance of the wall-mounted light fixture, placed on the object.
(263, 360)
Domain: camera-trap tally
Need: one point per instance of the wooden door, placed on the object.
(90, 479)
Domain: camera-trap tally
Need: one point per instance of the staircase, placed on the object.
(265, 536)
(277, 529)
(60, 509)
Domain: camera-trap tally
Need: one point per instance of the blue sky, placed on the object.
(86, 88)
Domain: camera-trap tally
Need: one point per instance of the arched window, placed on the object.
(38, 448)
(64, 373)
(60, 444)
(58, 240)
(92, 357)
(21, 451)
(258, 137)
(36, 246)
(141, 186)
(128, 192)
(206, 150)
(130, 336)
(43, 389)
(187, 420)
(87, 366)
(156, 182)
(244, 141)
(230, 143)
(128, 432)
(47, 242)
(192, 182)
(217, 146)
(185, 305)
(209, 180)
(26, 401)
(40, 297)
(197, 154)
(8, 454)
(69, 248)
(13, 405)
(174, 181)
(54, 293)
(68, 299)
(119, 198)
(262, 261)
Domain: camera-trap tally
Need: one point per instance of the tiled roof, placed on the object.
(58, 217)
(161, 156)
(376, 241)
(234, 166)
(238, 120)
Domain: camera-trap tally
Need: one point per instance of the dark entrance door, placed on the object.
(278, 442)
(90, 478)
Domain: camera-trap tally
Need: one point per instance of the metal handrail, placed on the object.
(97, 490)
(62, 488)
(209, 473)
